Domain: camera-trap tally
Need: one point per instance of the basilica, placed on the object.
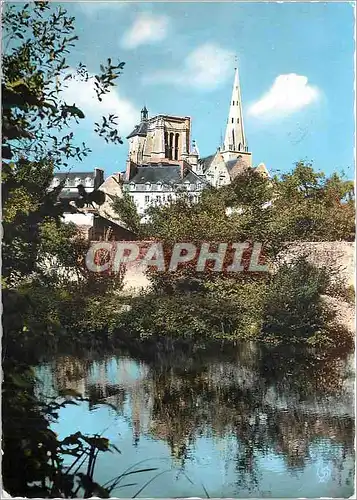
(163, 159)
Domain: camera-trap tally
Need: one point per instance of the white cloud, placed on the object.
(83, 95)
(146, 28)
(289, 93)
(205, 68)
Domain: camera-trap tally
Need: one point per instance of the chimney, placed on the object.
(183, 167)
(131, 169)
(98, 177)
(117, 176)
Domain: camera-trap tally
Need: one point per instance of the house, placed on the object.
(89, 180)
(160, 183)
(95, 222)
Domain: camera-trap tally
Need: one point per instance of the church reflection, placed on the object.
(251, 403)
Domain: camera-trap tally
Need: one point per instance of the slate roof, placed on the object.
(167, 174)
(95, 176)
(72, 176)
(206, 162)
(139, 130)
(230, 164)
(193, 178)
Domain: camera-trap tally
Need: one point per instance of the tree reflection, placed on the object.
(271, 400)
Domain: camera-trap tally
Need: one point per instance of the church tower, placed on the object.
(235, 143)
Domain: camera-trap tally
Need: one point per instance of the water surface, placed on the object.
(250, 423)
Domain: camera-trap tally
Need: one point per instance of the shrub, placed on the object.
(209, 315)
(294, 309)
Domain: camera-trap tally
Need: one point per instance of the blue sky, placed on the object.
(296, 72)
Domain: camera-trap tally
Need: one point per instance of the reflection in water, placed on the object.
(255, 422)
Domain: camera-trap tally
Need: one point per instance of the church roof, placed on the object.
(206, 162)
(140, 130)
(156, 173)
(238, 164)
(167, 174)
(230, 164)
(193, 178)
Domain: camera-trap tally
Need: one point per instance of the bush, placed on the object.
(294, 309)
(209, 315)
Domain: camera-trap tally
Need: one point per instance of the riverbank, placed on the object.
(294, 306)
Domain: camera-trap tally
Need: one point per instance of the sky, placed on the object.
(296, 66)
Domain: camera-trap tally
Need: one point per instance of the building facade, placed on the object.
(94, 222)
(163, 161)
(161, 183)
(89, 180)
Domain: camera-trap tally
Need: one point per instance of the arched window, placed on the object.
(171, 146)
(159, 186)
(167, 146)
(88, 182)
(68, 182)
(55, 182)
(77, 181)
(176, 146)
(132, 186)
(148, 186)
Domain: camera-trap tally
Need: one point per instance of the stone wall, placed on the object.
(338, 256)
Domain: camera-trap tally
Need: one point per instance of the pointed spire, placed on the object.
(235, 138)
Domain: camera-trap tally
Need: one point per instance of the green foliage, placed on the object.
(350, 294)
(305, 205)
(294, 308)
(37, 38)
(179, 316)
(126, 210)
(43, 308)
(286, 307)
(185, 221)
(310, 207)
(35, 452)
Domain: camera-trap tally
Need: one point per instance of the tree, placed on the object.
(36, 139)
(126, 211)
(312, 207)
(37, 38)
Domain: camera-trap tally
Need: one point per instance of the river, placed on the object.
(252, 422)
